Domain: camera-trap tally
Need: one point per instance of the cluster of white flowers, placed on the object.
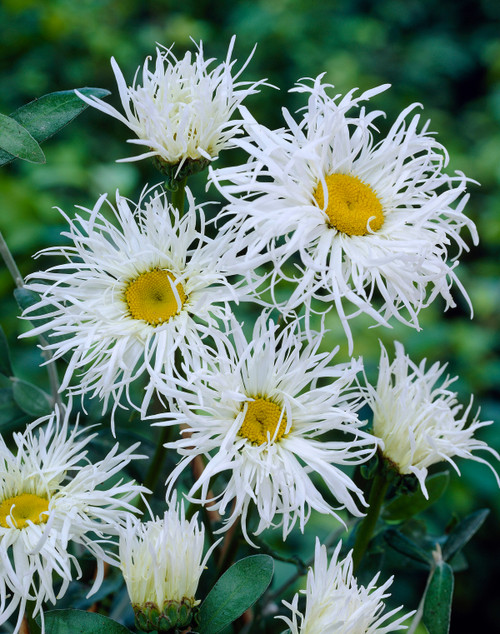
(347, 218)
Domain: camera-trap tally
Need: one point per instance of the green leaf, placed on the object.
(404, 545)
(31, 399)
(5, 366)
(463, 532)
(10, 414)
(236, 591)
(45, 116)
(80, 622)
(26, 298)
(16, 141)
(406, 506)
(437, 604)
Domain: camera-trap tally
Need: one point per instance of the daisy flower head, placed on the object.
(371, 221)
(418, 418)
(51, 495)
(336, 604)
(162, 562)
(263, 419)
(182, 109)
(129, 294)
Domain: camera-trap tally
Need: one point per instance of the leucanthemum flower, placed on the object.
(260, 414)
(418, 418)
(52, 496)
(336, 604)
(129, 294)
(162, 562)
(181, 110)
(371, 221)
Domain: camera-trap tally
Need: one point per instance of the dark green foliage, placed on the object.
(237, 590)
(38, 121)
(80, 622)
(437, 606)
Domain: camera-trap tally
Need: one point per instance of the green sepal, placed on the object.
(407, 505)
(463, 532)
(236, 590)
(173, 175)
(438, 598)
(45, 116)
(369, 469)
(172, 616)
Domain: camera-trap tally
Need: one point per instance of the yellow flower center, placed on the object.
(262, 418)
(154, 297)
(353, 207)
(22, 508)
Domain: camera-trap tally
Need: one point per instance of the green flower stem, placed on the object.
(155, 467)
(377, 494)
(29, 623)
(47, 355)
(10, 263)
(178, 196)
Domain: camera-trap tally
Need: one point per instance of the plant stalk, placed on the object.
(178, 196)
(367, 526)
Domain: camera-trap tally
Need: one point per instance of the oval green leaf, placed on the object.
(81, 622)
(438, 598)
(45, 116)
(31, 399)
(463, 532)
(404, 545)
(237, 590)
(406, 506)
(18, 142)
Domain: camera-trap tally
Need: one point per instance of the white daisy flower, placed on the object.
(261, 413)
(50, 496)
(372, 221)
(181, 111)
(128, 296)
(419, 419)
(162, 562)
(335, 604)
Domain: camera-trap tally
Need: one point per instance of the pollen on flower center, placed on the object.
(263, 418)
(22, 508)
(154, 296)
(353, 207)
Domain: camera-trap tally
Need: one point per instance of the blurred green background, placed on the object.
(445, 55)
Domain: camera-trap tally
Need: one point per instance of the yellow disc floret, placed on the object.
(262, 419)
(154, 297)
(23, 508)
(353, 207)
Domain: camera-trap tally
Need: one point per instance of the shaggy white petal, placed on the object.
(280, 375)
(336, 604)
(162, 560)
(391, 271)
(79, 506)
(85, 309)
(418, 418)
(180, 110)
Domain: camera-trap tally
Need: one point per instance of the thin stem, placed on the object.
(367, 526)
(10, 263)
(178, 196)
(19, 282)
(155, 467)
(30, 626)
